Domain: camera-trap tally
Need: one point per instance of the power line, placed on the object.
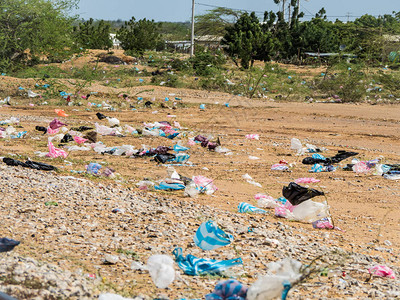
(262, 12)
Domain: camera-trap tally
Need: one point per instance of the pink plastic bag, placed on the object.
(361, 167)
(55, 124)
(252, 136)
(79, 139)
(55, 152)
(205, 184)
(52, 131)
(382, 271)
(177, 125)
(191, 143)
(307, 180)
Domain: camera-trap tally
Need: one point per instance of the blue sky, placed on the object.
(180, 10)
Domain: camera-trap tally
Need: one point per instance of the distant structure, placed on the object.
(115, 41)
(208, 41)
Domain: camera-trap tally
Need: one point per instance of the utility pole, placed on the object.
(348, 16)
(192, 35)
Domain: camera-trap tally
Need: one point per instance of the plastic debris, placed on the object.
(29, 164)
(307, 180)
(382, 271)
(297, 194)
(32, 94)
(282, 275)
(161, 268)
(80, 140)
(93, 168)
(252, 137)
(191, 265)
(324, 223)
(55, 152)
(244, 207)
(265, 201)
(209, 236)
(60, 113)
(228, 290)
(250, 180)
(8, 244)
(205, 184)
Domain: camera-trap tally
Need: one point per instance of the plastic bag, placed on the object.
(55, 124)
(252, 137)
(244, 207)
(295, 144)
(310, 211)
(297, 194)
(113, 121)
(265, 201)
(7, 244)
(228, 290)
(161, 268)
(205, 184)
(250, 180)
(191, 265)
(209, 236)
(283, 274)
(60, 113)
(55, 152)
(79, 139)
(93, 168)
(191, 190)
(382, 271)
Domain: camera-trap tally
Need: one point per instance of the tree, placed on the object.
(215, 21)
(139, 36)
(247, 41)
(34, 28)
(89, 36)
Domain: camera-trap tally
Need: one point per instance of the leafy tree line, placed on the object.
(248, 39)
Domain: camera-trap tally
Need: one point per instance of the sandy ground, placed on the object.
(364, 206)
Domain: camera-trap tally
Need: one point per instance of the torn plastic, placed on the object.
(250, 180)
(7, 244)
(277, 283)
(191, 265)
(29, 164)
(297, 194)
(228, 290)
(55, 152)
(210, 237)
(161, 269)
(244, 207)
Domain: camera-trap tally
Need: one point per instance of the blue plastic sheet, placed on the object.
(191, 265)
(248, 208)
(169, 186)
(209, 236)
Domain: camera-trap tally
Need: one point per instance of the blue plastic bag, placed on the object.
(209, 236)
(248, 208)
(191, 265)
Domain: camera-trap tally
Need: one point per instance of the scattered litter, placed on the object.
(209, 236)
(228, 290)
(161, 269)
(8, 244)
(382, 271)
(248, 208)
(250, 180)
(252, 137)
(191, 265)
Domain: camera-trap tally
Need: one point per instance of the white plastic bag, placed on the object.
(161, 268)
(310, 211)
(295, 144)
(113, 121)
(271, 286)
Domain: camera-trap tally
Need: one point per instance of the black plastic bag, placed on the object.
(163, 158)
(297, 194)
(7, 244)
(341, 155)
(66, 138)
(100, 116)
(81, 128)
(91, 136)
(29, 164)
(42, 129)
(39, 166)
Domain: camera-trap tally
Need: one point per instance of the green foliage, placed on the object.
(139, 36)
(347, 84)
(206, 63)
(246, 41)
(91, 36)
(215, 21)
(175, 31)
(30, 29)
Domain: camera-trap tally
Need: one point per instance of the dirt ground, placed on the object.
(364, 206)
